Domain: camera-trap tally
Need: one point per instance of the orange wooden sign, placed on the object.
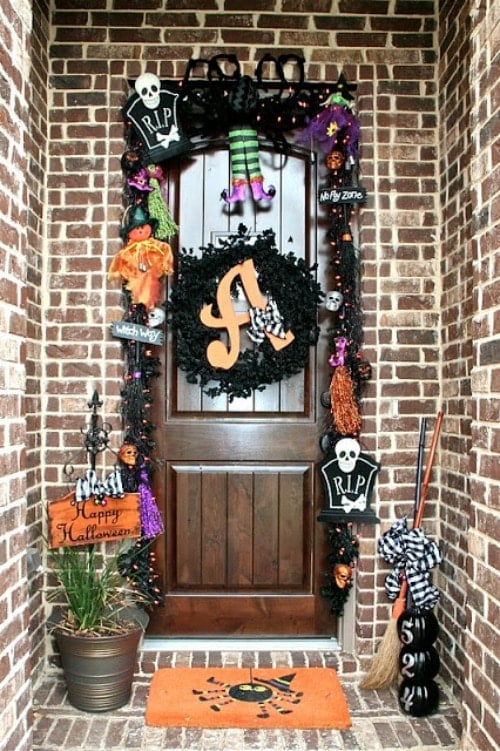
(85, 522)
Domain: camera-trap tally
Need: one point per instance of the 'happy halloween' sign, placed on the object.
(74, 523)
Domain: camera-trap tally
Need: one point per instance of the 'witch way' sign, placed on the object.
(74, 522)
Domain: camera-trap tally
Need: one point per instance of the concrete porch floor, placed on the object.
(377, 722)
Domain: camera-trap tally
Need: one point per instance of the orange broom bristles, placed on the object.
(384, 668)
(344, 406)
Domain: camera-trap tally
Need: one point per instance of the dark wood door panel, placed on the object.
(290, 396)
(246, 441)
(244, 555)
(222, 614)
(195, 187)
(245, 526)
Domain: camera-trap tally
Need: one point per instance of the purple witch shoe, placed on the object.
(239, 192)
(258, 192)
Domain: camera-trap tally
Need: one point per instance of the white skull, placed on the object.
(148, 87)
(334, 300)
(156, 316)
(347, 451)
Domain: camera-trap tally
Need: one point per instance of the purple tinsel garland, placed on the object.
(324, 129)
(151, 521)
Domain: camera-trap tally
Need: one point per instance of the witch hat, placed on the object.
(135, 216)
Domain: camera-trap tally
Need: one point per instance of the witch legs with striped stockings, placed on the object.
(245, 166)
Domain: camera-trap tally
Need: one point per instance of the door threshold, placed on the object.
(233, 644)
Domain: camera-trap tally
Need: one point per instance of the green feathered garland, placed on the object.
(284, 278)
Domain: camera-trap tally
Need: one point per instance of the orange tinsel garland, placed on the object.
(344, 406)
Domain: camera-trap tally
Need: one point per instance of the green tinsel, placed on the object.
(158, 209)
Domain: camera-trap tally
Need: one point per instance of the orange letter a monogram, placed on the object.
(218, 354)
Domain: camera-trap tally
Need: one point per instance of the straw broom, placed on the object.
(385, 665)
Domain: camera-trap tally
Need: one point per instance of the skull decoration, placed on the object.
(156, 316)
(347, 451)
(335, 160)
(364, 370)
(342, 573)
(334, 300)
(148, 87)
(128, 454)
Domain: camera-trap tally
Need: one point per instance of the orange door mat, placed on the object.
(247, 698)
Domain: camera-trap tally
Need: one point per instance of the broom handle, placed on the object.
(418, 484)
(420, 462)
(428, 471)
(400, 602)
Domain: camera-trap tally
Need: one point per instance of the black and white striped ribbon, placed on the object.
(413, 555)
(90, 485)
(267, 320)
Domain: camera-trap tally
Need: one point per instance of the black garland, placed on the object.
(141, 367)
(283, 105)
(345, 329)
(285, 278)
(137, 565)
(344, 551)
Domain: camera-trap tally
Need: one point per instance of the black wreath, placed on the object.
(285, 278)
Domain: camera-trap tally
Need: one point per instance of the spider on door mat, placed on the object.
(267, 694)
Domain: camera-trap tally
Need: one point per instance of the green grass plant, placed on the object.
(94, 591)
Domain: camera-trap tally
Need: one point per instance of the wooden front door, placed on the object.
(242, 553)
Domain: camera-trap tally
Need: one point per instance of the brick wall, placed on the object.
(16, 298)
(35, 259)
(469, 465)
(456, 318)
(480, 618)
(398, 108)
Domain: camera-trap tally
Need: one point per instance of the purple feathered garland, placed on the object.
(151, 521)
(331, 128)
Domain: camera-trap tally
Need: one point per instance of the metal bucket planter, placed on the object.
(99, 670)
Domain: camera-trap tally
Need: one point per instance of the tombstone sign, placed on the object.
(73, 523)
(348, 477)
(152, 111)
